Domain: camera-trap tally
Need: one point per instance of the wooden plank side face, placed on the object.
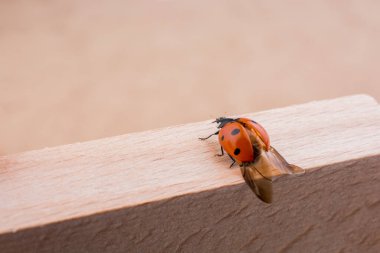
(67, 186)
(334, 210)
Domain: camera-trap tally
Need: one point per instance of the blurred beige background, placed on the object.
(78, 70)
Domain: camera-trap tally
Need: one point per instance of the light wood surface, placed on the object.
(164, 190)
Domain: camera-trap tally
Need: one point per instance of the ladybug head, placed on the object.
(222, 121)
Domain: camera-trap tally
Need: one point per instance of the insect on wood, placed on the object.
(247, 143)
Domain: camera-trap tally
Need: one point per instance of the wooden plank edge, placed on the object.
(21, 232)
(307, 216)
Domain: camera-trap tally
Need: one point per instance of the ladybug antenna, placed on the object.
(218, 120)
(222, 121)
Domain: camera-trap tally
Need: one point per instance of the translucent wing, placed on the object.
(259, 174)
(278, 162)
(259, 184)
(269, 162)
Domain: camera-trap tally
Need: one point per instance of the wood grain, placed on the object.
(165, 191)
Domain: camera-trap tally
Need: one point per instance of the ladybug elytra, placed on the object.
(247, 143)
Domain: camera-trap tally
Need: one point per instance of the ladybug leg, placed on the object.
(205, 138)
(221, 153)
(233, 161)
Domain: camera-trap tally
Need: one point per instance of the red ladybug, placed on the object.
(247, 143)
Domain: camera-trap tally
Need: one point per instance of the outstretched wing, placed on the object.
(280, 164)
(260, 185)
(258, 175)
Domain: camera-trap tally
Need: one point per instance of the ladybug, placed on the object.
(247, 143)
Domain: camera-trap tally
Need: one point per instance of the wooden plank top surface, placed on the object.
(60, 183)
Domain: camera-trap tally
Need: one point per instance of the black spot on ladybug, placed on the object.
(222, 137)
(235, 131)
(237, 151)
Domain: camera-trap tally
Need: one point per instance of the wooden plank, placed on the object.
(164, 190)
